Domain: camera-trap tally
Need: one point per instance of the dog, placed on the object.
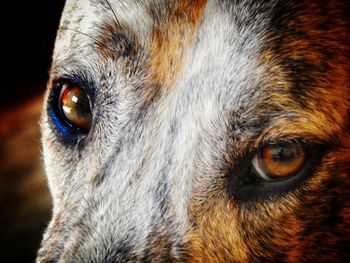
(199, 131)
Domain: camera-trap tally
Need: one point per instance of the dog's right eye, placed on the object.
(74, 107)
(70, 109)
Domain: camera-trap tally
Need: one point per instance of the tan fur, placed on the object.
(170, 42)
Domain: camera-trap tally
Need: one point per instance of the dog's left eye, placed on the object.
(276, 162)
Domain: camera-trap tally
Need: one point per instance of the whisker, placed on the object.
(112, 10)
(80, 32)
(96, 40)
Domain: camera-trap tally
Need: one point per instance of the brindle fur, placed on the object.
(183, 91)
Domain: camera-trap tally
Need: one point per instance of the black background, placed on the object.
(28, 38)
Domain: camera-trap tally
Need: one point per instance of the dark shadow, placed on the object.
(25, 204)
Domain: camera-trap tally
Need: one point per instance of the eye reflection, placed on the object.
(276, 161)
(75, 107)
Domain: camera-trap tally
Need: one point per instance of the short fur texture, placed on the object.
(183, 90)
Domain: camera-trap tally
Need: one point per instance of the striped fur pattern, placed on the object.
(182, 92)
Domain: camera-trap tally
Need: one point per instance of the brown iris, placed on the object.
(279, 161)
(75, 106)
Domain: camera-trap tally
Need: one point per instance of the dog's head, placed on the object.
(201, 131)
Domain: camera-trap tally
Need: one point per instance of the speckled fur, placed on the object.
(183, 90)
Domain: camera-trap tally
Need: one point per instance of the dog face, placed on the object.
(200, 131)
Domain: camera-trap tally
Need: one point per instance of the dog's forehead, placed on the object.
(89, 14)
(170, 35)
(81, 22)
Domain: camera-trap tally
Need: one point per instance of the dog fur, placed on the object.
(181, 92)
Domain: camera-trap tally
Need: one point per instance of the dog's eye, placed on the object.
(276, 162)
(74, 106)
(274, 169)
